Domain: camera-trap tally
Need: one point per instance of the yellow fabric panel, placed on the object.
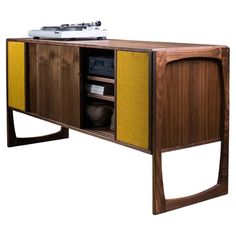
(133, 98)
(16, 75)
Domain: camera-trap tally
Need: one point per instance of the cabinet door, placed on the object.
(133, 98)
(16, 75)
(55, 83)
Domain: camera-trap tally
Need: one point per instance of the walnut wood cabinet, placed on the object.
(167, 96)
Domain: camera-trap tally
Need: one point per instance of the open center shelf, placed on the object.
(98, 96)
(104, 132)
(102, 97)
(101, 79)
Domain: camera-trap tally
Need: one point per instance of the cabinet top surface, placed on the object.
(114, 44)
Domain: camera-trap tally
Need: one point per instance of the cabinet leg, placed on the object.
(159, 201)
(161, 204)
(13, 140)
(224, 156)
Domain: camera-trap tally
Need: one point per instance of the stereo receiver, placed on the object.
(102, 66)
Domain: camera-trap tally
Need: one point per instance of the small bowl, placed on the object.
(98, 114)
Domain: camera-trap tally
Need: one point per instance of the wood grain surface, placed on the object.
(54, 83)
(120, 44)
(191, 102)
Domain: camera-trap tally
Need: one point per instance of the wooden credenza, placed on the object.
(167, 96)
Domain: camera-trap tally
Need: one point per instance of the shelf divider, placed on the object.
(102, 97)
(101, 79)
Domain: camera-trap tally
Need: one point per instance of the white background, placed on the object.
(86, 186)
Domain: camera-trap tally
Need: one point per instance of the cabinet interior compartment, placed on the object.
(98, 91)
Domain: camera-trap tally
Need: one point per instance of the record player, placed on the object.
(70, 31)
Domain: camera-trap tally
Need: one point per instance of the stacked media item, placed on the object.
(105, 89)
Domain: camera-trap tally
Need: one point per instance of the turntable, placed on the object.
(70, 31)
